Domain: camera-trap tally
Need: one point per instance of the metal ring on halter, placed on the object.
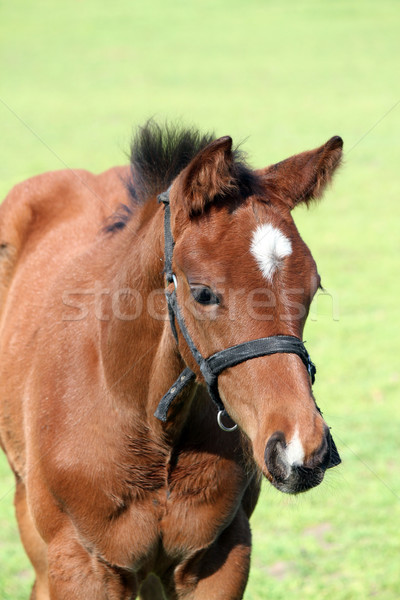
(174, 280)
(220, 423)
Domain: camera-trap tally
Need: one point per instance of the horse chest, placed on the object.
(204, 494)
(132, 500)
(200, 499)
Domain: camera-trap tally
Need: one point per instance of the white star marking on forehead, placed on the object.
(269, 247)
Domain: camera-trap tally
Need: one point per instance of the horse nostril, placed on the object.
(334, 456)
(274, 457)
(327, 455)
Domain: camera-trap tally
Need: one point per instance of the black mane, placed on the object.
(158, 155)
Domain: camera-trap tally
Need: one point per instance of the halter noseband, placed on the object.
(212, 366)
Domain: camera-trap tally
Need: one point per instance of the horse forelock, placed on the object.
(159, 153)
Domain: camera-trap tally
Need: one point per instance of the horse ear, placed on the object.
(303, 177)
(207, 176)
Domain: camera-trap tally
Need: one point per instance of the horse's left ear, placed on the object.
(303, 177)
(207, 176)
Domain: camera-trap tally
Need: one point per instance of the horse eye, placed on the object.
(204, 295)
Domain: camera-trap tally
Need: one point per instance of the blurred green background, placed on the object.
(75, 79)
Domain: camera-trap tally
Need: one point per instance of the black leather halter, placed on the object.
(212, 366)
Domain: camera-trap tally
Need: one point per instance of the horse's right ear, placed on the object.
(303, 177)
(207, 176)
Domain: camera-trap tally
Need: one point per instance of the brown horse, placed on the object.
(111, 501)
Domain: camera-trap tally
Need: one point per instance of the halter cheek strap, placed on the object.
(212, 366)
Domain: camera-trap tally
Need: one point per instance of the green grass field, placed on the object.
(77, 76)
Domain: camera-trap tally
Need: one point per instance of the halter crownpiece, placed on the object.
(212, 366)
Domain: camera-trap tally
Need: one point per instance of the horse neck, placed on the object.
(139, 354)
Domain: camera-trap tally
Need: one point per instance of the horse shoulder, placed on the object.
(45, 222)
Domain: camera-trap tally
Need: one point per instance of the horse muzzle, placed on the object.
(294, 476)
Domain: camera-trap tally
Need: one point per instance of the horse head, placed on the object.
(242, 272)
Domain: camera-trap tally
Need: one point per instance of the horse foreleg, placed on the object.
(35, 547)
(220, 572)
(75, 573)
